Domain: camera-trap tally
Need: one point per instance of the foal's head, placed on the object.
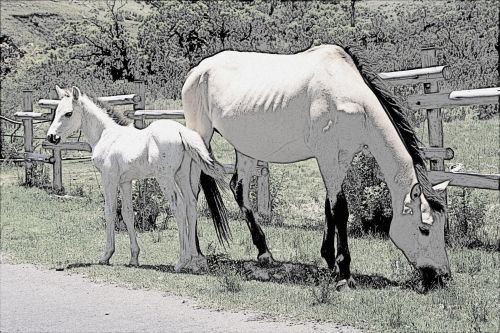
(68, 115)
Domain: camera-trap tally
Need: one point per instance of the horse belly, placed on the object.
(266, 136)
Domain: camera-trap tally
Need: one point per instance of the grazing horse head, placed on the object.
(418, 230)
(67, 117)
(417, 227)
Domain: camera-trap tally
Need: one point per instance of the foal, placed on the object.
(164, 151)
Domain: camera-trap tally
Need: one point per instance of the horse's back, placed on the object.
(263, 103)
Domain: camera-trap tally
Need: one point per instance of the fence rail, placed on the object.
(432, 100)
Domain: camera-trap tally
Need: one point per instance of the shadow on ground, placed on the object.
(279, 272)
(282, 272)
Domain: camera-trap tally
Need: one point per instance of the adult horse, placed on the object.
(318, 104)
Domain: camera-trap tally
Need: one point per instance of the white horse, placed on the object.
(317, 104)
(164, 151)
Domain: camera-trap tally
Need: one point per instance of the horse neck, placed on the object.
(94, 121)
(391, 154)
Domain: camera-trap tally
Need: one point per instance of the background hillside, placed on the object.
(97, 43)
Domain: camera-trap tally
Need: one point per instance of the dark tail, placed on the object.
(217, 208)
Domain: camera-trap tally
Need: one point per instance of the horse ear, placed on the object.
(416, 191)
(60, 92)
(76, 93)
(441, 186)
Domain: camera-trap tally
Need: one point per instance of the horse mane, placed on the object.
(395, 111)
(117, 116)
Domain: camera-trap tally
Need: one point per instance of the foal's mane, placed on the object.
(117, 116)
(395, 111)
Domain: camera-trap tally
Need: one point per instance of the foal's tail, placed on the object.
(212, 176)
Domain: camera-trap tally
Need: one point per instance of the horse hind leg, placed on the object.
(173, 194)
(128, 218)
(110, 205)
(240, 186)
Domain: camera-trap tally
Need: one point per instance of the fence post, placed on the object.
(57, 185)
(434, 117)
(28, 135)
(140, 90)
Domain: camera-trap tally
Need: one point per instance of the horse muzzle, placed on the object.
(55, 139)
(435, 277)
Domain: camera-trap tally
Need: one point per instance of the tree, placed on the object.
(103, 42)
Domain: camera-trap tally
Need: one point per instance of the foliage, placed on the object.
(148, 204)
(466, 211)
(229, 282)
(9, 55)
(38, 176)
(368, 197)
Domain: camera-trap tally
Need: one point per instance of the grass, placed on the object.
(53, 231)
(67, 231)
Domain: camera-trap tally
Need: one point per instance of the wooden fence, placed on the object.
(432, 100)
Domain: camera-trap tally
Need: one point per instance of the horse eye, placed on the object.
(68, 114)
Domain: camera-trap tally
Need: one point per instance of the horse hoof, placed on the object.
(351, 282)
(104, 262)
(342, 285)
(265, 258)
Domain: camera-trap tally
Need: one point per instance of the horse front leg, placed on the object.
(128, 218)
(336, 215)
(110, 204)
(240, 186)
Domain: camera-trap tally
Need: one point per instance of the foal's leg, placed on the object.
(336, 212)
(189, 182)
(110, 204)
(240, 185)
(128, 218)
(172, 193)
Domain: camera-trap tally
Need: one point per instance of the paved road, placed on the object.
(35, 300)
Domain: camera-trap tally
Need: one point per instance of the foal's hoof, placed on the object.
(345, 284)
(104, 262)
(265, 258)
(181, 264)
(133, 263)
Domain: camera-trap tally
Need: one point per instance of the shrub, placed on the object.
(230, 282)
(321, 294)
(466, 213)
(367, 196)
(148, 204)
(38, 177)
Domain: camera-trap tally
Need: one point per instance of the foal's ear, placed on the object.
(60, 92)
(76, 93)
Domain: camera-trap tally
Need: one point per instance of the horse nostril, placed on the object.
(424, 230)
(52, 138)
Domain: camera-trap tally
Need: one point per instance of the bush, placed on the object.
(368, 198)
(39, 177)
(148, 204)
(466, 214)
